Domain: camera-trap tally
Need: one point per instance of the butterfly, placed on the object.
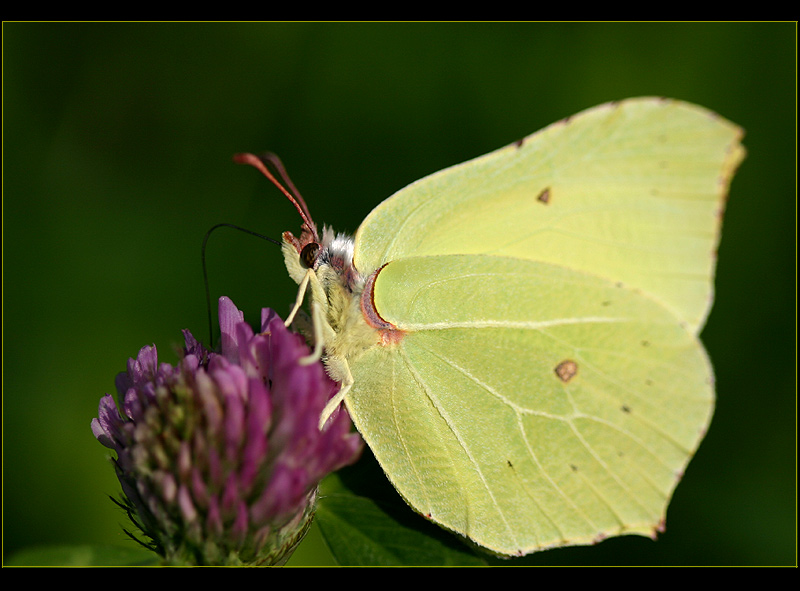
(516, 337)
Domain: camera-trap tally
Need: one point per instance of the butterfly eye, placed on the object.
(309, 254)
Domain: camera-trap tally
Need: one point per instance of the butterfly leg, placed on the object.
(318, 314)
(319, 323)
(301, 294)
(343, 369)
(323, 333)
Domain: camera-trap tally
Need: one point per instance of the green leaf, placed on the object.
(88, 555)
(365, 523)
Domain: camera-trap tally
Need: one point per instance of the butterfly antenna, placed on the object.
(205, 270)
(271, 158)
(294, 196)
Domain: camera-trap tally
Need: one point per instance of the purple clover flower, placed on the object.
(219, 456)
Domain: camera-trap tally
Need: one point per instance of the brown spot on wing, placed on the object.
(544, 196)
(566, 370)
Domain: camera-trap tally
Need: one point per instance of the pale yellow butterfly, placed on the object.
(517, 336)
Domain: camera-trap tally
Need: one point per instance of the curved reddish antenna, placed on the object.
(273, 159)
(296, 199)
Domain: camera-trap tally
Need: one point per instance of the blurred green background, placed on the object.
(117, 144)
